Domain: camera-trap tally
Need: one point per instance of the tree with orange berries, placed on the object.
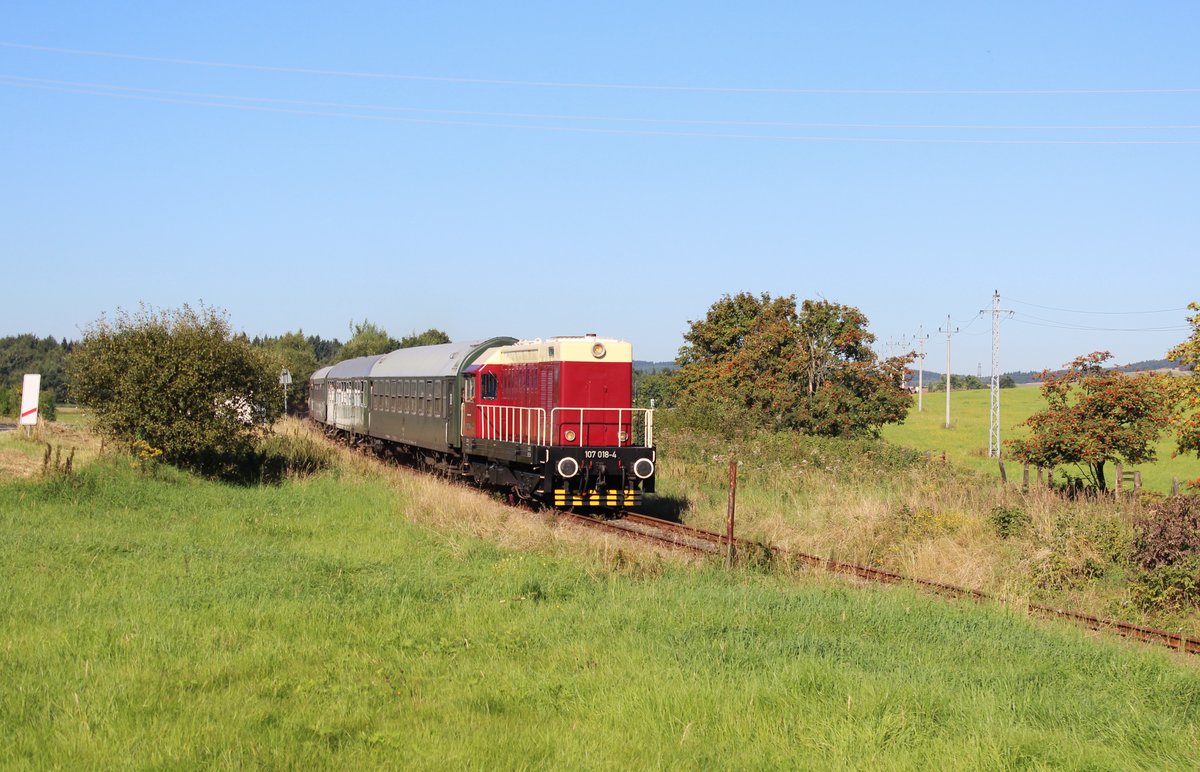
(1188, 420)
(1095, 416)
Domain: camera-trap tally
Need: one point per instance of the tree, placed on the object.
(293, 351)
(759, 360)
(179, 381)
(20, 354)
(962, 383)
(1187, 387)
(1095, 416)
(431, 337)
(657, 386)
(368, 339)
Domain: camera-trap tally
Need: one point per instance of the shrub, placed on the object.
(1168, 533)
(181, 382)
(1167, 550)
(1008, 521)
(1168, 586)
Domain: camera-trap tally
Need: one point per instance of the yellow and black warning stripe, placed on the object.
(631, 497)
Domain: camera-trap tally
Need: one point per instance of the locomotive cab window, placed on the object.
(488, 386)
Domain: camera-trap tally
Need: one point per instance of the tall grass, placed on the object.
(354, 619)
(880, 505)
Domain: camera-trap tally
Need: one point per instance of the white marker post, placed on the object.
(285, 380)
(31, 389)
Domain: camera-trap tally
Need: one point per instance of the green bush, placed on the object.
(1168, 586)
(182, 382)
(1008, 521)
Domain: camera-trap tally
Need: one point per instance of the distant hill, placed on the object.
(1030, 376)
(1019, 377)
(649, 367)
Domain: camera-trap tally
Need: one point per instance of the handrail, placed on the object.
(647, 417)
(508, 423)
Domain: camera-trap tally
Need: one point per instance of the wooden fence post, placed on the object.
(1137, 481)
(729, 514)
(1025, 476)
(1003, 474)
(1174, 486)
(1120, 477)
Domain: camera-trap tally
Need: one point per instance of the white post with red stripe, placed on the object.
(30, 391)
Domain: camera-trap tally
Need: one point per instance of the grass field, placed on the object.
(371, 618)
(966, 441)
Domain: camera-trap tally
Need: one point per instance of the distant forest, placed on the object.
(27, 353)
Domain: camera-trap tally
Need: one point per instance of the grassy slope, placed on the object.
(967, 439)
(176, 622)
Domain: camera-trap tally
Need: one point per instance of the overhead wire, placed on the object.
(591, 85)
(1105, 313)
(1038, 321)
(102, 87)
(216, 102)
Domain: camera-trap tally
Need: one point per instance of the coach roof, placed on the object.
(438, 361)
(353, 369)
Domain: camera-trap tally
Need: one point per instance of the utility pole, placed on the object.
(949, 331)
(921, 338)
(994, 416)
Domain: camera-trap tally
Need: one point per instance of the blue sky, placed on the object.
(534, 169)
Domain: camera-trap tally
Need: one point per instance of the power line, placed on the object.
(596, 129)
(587, 85)
(101, 87)
(1024, 318)
(1107, 313)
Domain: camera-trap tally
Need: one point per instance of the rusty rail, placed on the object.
(682, 536)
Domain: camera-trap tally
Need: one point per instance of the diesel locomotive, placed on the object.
(551, 421)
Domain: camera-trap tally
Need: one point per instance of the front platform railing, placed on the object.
(505, 423)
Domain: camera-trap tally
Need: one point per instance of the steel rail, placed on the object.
(680, 536)
(711, 540)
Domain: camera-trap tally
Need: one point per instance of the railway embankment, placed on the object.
(370, 615)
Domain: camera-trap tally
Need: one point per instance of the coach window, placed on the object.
(487, 386)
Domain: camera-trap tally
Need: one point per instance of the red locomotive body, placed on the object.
(571, 398)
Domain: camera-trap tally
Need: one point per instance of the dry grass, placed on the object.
(23, 457)
(460, 511)
(936, 522)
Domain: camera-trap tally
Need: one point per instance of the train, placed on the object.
(550, 421)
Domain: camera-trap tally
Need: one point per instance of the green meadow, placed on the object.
(966, 441)
(370, 618)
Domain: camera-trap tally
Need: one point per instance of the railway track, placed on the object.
(684, 537)
(680, 536)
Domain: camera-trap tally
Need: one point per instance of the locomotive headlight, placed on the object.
(599, 351)
(623, 436)
(570, 435)
(568, 467)
(643, 468)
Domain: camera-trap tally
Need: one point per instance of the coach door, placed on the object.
(468, 402)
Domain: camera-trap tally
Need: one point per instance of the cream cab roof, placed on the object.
(579, 348)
